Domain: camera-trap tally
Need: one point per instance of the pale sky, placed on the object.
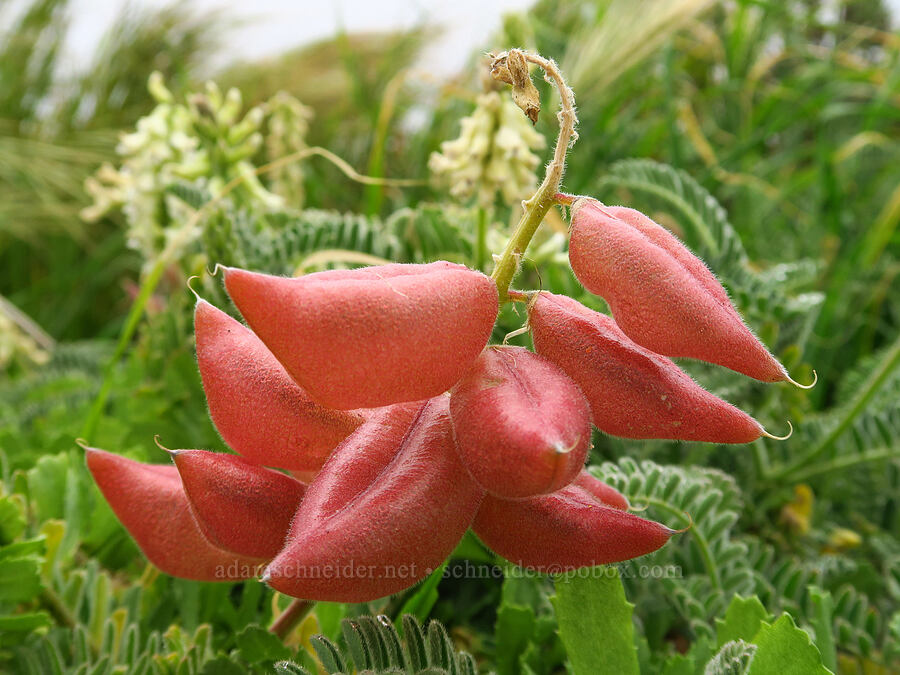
(269, 27)
(273, 26)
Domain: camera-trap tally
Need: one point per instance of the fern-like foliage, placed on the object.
(71, 375)
(281, 242)
(783, 583)
(374, 646)
(711, 564)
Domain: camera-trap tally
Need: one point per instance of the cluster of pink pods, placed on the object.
(374, 426)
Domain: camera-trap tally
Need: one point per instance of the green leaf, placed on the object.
(742, 620)
(679, 664)
(328, 654)
(416, 652)
(221, 665)
(23, 622)
(12, 519)
(289, 668)
(595, 623)
(514, 628)
(822, 621)
(20, 579)
(359, 649)
(257, 645)
(420, 603)
(784, 649)
(21, 549)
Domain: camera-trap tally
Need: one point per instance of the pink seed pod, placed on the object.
(261, 413)
(239, 506)
(150, 502)
(605, 493)
(390, 504)
(522, 427)
(374, 336)
(565, 530)
(662, 295)
(633, 392)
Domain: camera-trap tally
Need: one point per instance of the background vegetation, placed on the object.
(765, 133)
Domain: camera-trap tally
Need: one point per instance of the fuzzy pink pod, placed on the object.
(565, 530)
(390, 504)
(661, 295)
(374, 336)
(259, 410)
(149, 501)
(239, 506)
(605, 493)
(633, 392)
(522, 426)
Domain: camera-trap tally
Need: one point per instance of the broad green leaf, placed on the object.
(20, 579)
(257, 645)
(514, 628)
(784, 649)
(679, 664)
(595, 622)
(742, 620)
(20, 549)
(12, 518)
(23, 622)
(822, 621)
(221, 665)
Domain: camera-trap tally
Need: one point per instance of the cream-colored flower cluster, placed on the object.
(205, 142)
(288, 126)
(493, 153)
(18, 346)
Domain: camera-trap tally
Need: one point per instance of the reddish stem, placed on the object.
(289, 618)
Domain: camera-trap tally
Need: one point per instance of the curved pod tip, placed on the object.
(780, 438)
(803, 386)
(191, 288)
(686, 527)
(564, 449)
(159, 445)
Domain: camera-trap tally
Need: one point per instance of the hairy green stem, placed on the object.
(865, 394)
(289, 618)
(131, 323)
(57, 608)
(543, 199)
(481, 239)
(845, 462)
(760, 458)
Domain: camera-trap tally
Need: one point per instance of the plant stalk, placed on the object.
(289, 618)
(535, 208)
